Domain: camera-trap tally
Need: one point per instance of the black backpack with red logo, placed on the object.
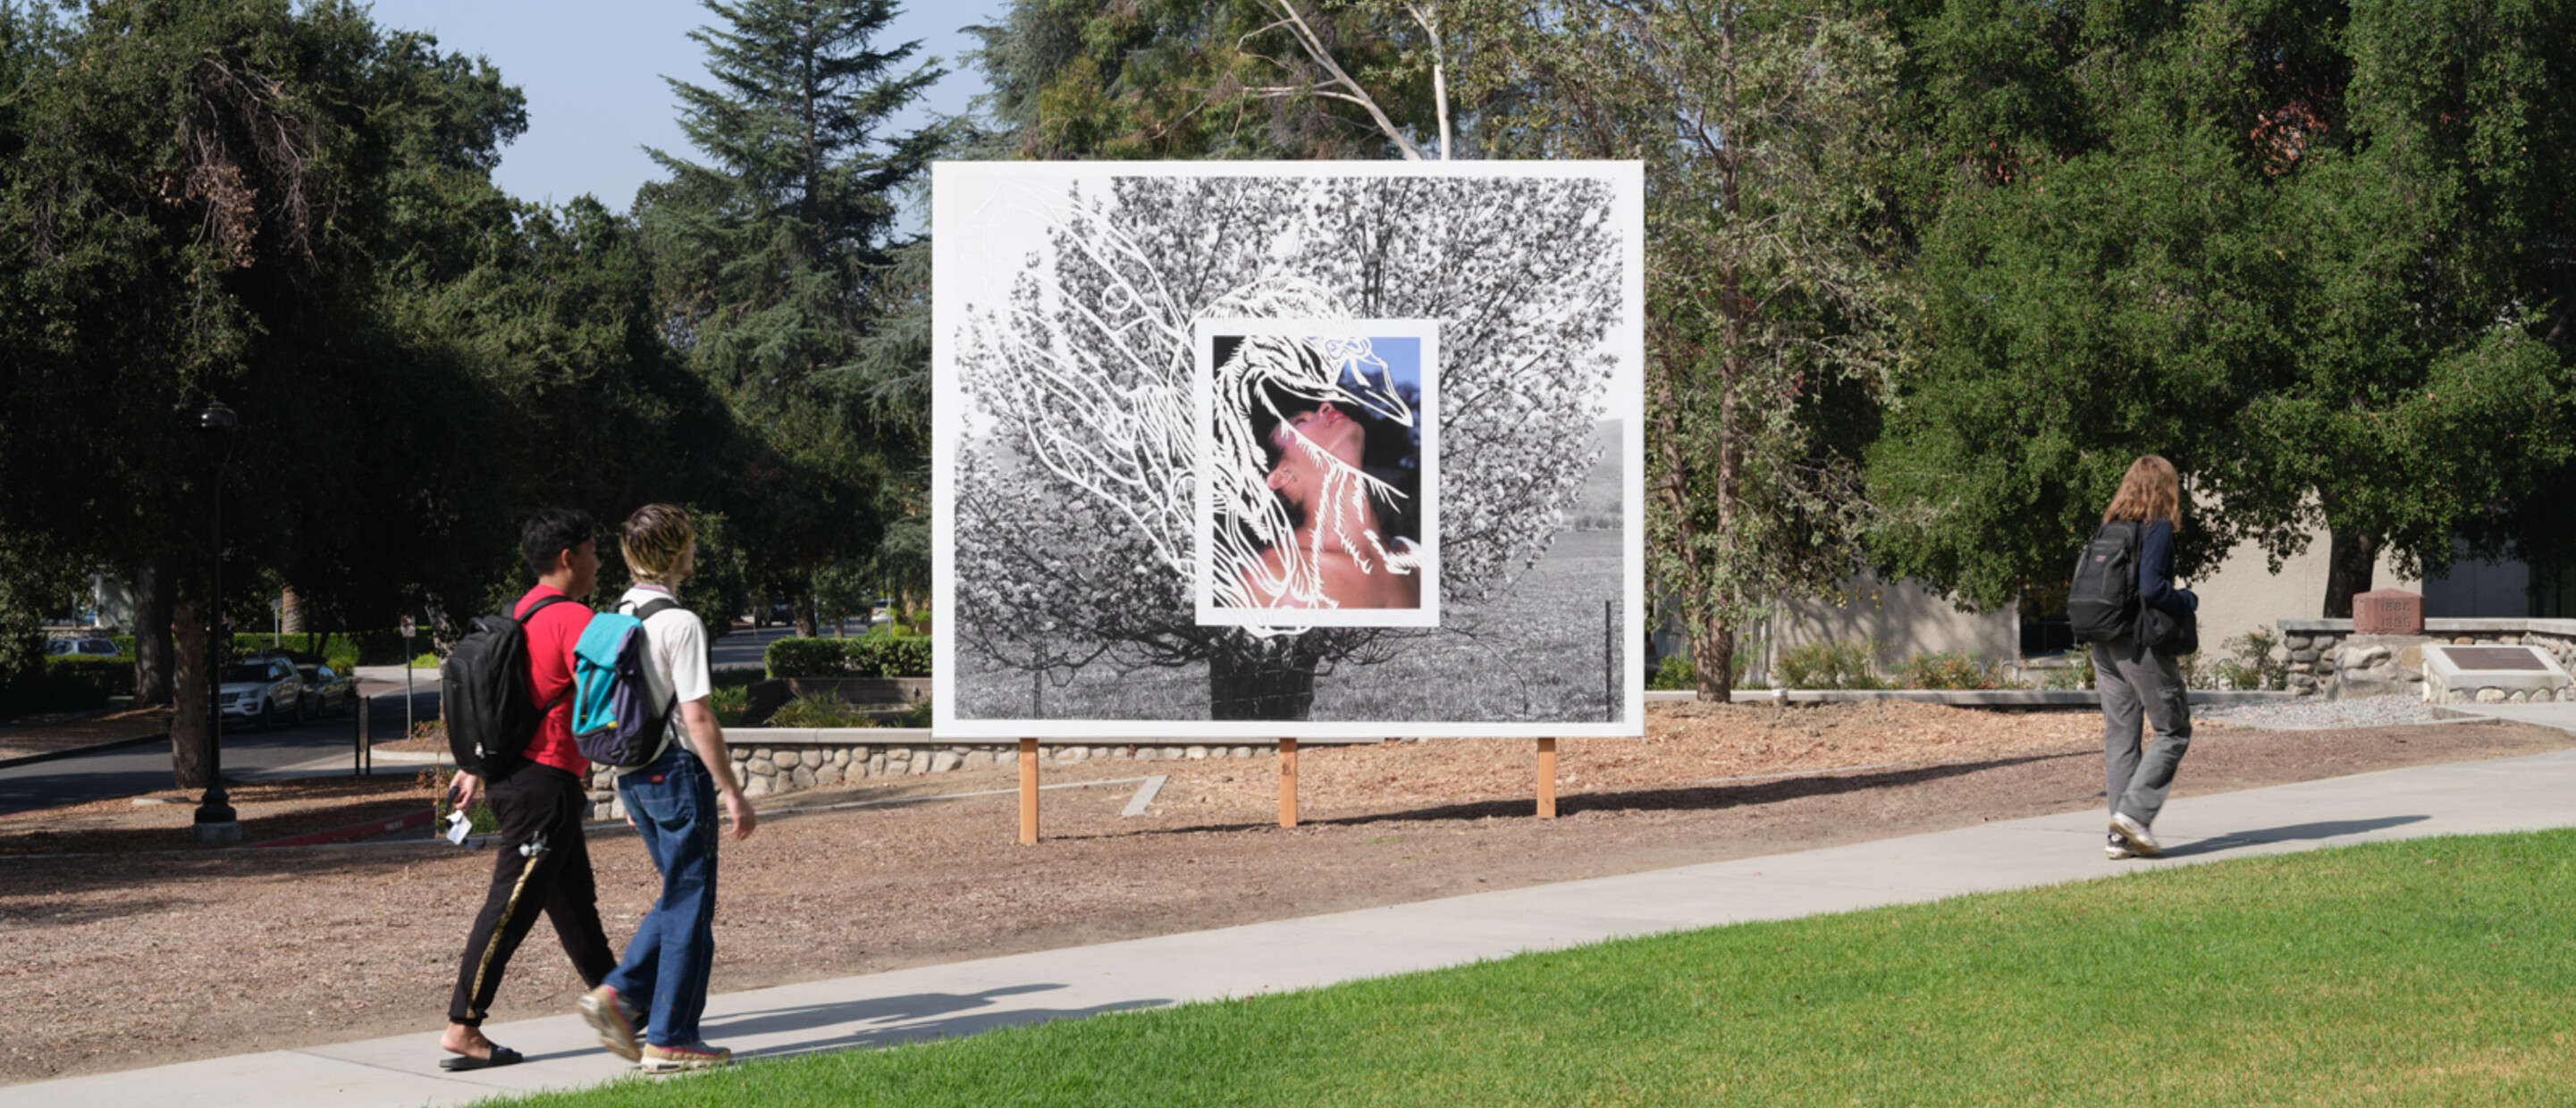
(2102, 601)
(491, 711)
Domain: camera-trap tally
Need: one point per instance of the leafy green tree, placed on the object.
(288, 209)
(2299, 248)
(190, 187)
(1773, 313)
(772, 256)
(1238, 79)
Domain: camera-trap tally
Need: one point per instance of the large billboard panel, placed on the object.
(1257, 450)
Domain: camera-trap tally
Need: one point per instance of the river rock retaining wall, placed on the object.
(781, 760)
(2326, 659)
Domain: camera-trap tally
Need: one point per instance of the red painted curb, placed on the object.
(344, 834)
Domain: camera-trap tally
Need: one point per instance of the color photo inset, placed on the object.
(1319, 445)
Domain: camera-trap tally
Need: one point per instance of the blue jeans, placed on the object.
(664, 974)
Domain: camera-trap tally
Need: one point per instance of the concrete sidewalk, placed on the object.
(2517, 794)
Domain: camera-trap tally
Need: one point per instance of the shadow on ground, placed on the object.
(2296, 832)
(891, 1020)
(1688, 798)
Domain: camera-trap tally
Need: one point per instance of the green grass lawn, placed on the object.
(2432, 972)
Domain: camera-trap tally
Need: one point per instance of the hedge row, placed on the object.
(869, 657)
(67, 685)
(348, 648)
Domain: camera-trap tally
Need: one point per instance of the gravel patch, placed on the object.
(2313, 713)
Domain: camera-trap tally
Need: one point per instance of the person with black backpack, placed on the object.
(2124, 602)
(673, 775)
(508, 689)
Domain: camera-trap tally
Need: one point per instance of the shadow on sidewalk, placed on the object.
(887, 1021)
(2297, 832)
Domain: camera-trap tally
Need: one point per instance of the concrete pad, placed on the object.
(2561, 716)
(967, 997)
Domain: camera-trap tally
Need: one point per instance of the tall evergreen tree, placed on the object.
(773, 252)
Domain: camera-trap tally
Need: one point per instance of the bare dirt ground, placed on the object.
(128, 948)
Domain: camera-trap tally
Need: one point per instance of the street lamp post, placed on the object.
(216, 821)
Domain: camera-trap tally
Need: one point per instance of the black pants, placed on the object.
(541, 861)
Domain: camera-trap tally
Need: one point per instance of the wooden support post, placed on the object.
(1028, 792)
(1547, 779)
(1287, 782)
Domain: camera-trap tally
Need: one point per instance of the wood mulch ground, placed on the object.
(84, 730)
(129, 947)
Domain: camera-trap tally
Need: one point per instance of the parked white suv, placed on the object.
(261, 691)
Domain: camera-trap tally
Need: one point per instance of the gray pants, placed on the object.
(2137, 681)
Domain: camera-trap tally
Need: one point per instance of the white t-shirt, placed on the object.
(677, 654)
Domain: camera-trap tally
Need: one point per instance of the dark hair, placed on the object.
(552, 532)
(1390, 452)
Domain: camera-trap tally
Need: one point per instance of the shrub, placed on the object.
(883, 656)
(818, 709)
(730, 704)
(342, 650)
(2077, 673)
(1948, 669)
(2253, 666)
(1840, 664)
(1675, 672)
(67, 684)
(915, 714)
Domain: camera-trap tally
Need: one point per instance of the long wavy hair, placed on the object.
(2151, 490)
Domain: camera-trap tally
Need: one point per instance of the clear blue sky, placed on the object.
(592, 71)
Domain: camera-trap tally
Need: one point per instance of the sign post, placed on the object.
(408, 628)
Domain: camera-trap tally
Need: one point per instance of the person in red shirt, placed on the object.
(540, 859)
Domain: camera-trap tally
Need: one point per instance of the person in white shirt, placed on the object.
(659, 989)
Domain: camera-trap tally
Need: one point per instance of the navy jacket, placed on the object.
(2155, 572)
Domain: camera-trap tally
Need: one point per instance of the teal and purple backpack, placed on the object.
(613, 717)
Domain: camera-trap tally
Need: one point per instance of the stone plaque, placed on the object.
(2496, 658)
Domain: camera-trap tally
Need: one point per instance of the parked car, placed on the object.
(92, 647)
(327, 690)
(260, 691)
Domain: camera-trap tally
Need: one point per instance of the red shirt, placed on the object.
(551, 636)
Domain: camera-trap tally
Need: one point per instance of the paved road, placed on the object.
(323, 746)
(742, 648)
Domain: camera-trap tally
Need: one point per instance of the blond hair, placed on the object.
(652, 540)
(2151, 490)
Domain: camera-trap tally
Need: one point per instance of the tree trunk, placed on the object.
(151, 632)
(1260, 683)
(2350, 561)
(191, 742)
(805, 622)
(290, 612)
(1713, 655)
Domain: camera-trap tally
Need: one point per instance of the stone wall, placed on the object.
(2326, 659)
(783, 760)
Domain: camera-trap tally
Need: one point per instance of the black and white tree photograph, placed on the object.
(1280, 450)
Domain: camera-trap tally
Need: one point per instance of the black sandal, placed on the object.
(501, 1056)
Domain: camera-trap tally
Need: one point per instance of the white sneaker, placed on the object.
(2135, 834)
(2115, 852)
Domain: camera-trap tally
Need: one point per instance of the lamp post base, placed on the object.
(216, 834)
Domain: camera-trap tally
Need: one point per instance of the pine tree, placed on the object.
(773, 250)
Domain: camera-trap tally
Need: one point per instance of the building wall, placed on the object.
(2241, 596)
(1903, 617)
(2244, 594)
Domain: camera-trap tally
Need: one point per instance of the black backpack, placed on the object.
(2102, 601)
(490, 701)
